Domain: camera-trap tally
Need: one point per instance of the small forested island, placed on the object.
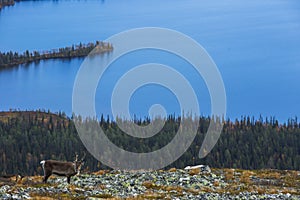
(6, 3)
(9, 59)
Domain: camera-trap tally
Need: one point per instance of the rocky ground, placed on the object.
(200, 183)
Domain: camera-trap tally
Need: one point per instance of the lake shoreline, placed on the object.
(11, 59)
(4, 3)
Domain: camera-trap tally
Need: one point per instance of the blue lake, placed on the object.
(255, 44)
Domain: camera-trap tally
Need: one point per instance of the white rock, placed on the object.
(184, 179)
(194, 167)
(203, 168)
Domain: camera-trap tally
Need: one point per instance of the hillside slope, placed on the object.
(171, 184)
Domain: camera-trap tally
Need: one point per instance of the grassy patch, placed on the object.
(229, 174)
(60, 196)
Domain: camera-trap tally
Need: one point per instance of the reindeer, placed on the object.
(61, 168)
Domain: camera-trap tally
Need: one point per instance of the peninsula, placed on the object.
(10, 59)
(6, 3)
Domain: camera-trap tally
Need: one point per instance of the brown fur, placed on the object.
(61, 168)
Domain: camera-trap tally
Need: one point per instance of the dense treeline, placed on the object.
(9, 59)
(6, 3)
(26, 138)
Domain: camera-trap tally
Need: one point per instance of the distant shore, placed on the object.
(10, 59)
(4, 3)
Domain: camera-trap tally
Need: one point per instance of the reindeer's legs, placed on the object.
(46, 176)
(69, 179)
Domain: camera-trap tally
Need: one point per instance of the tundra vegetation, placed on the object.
(203, 183)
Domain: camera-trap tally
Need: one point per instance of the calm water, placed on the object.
(255, 44)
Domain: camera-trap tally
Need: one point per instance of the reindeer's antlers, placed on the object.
(83, 157)
(76, 157)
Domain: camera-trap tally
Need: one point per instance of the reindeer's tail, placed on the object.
(42, 163)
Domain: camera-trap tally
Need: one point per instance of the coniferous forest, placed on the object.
(9, 59)
(6, 3)
(28, 137)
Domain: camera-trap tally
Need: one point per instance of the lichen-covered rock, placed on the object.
(172, 184)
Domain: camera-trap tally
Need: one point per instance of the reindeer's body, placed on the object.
(60, 168)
